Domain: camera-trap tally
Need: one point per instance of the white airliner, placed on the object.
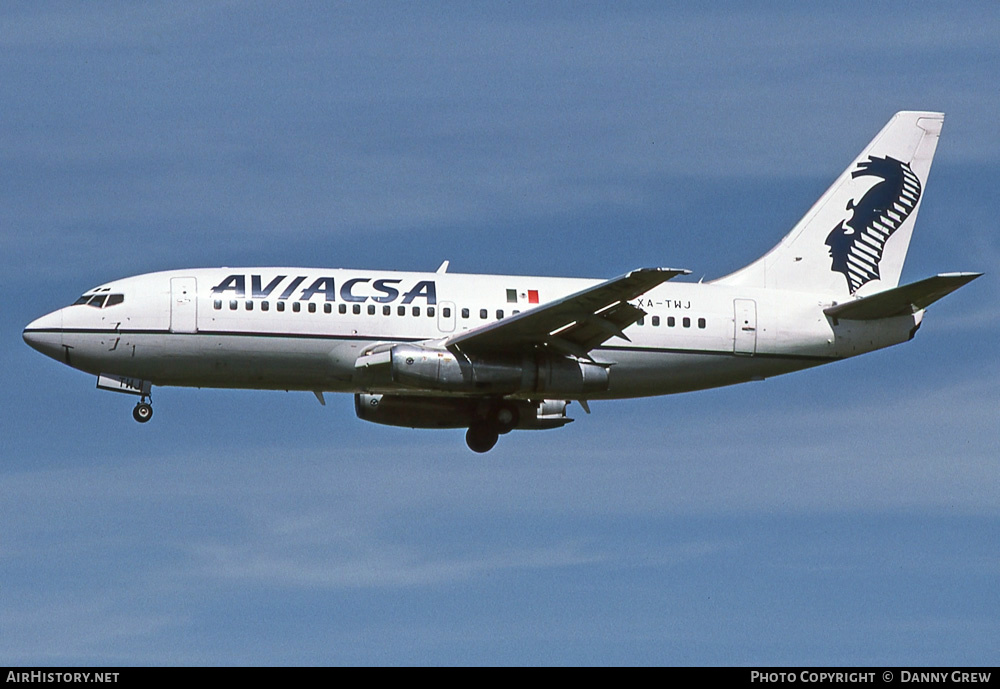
(493, 353)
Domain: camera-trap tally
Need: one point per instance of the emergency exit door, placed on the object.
(446, 317)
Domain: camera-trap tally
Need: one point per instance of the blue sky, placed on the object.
(843, 515)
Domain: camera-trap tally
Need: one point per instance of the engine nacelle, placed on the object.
(427, 368)
(456, 412)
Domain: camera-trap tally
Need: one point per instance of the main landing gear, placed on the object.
(143, 411)
(481, 437)
(500, 419)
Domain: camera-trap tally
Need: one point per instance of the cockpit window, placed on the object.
(100, 301)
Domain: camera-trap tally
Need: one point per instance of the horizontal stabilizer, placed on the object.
(901, 301)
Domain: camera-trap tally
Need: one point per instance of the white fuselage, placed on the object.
(304, 328)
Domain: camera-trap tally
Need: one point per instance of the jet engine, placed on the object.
(428, 368)
(460, 412)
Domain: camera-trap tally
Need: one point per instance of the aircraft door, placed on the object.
(446, 317)
(745, 327)
(183, 305)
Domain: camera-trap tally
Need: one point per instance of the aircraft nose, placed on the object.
(45, 334)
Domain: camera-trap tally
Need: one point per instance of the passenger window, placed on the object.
(482, 314)
(233, 305)
(281, 306)
(656, 321)
(312, 308)
(465, 313)
(686, 322)
(641, 321)
(218, 304)
(342, 309)
(386, 310)
(328, 308)
(416, 310)
(264, 306)
(701, 322)
(430, 311)
(371, 309)
(671, 322)
(356, 309)
(249, 305)
(446, 312)
(400, 310)
(499, 314)
(296, 306)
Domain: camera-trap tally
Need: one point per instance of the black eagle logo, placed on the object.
(856, 243)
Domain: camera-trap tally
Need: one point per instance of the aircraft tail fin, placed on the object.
(853, 241)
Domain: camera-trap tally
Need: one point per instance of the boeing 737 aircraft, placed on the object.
(494, 353)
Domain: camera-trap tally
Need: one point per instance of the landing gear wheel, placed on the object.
(504, 418)
(481, 438)
(143, 412)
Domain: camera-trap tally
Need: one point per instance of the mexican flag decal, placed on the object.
(528, 297)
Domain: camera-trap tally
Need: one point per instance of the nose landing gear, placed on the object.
(143, 411)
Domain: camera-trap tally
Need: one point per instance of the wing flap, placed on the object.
(574, 324)
(901, 301)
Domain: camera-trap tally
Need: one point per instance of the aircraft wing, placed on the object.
(572, 325)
